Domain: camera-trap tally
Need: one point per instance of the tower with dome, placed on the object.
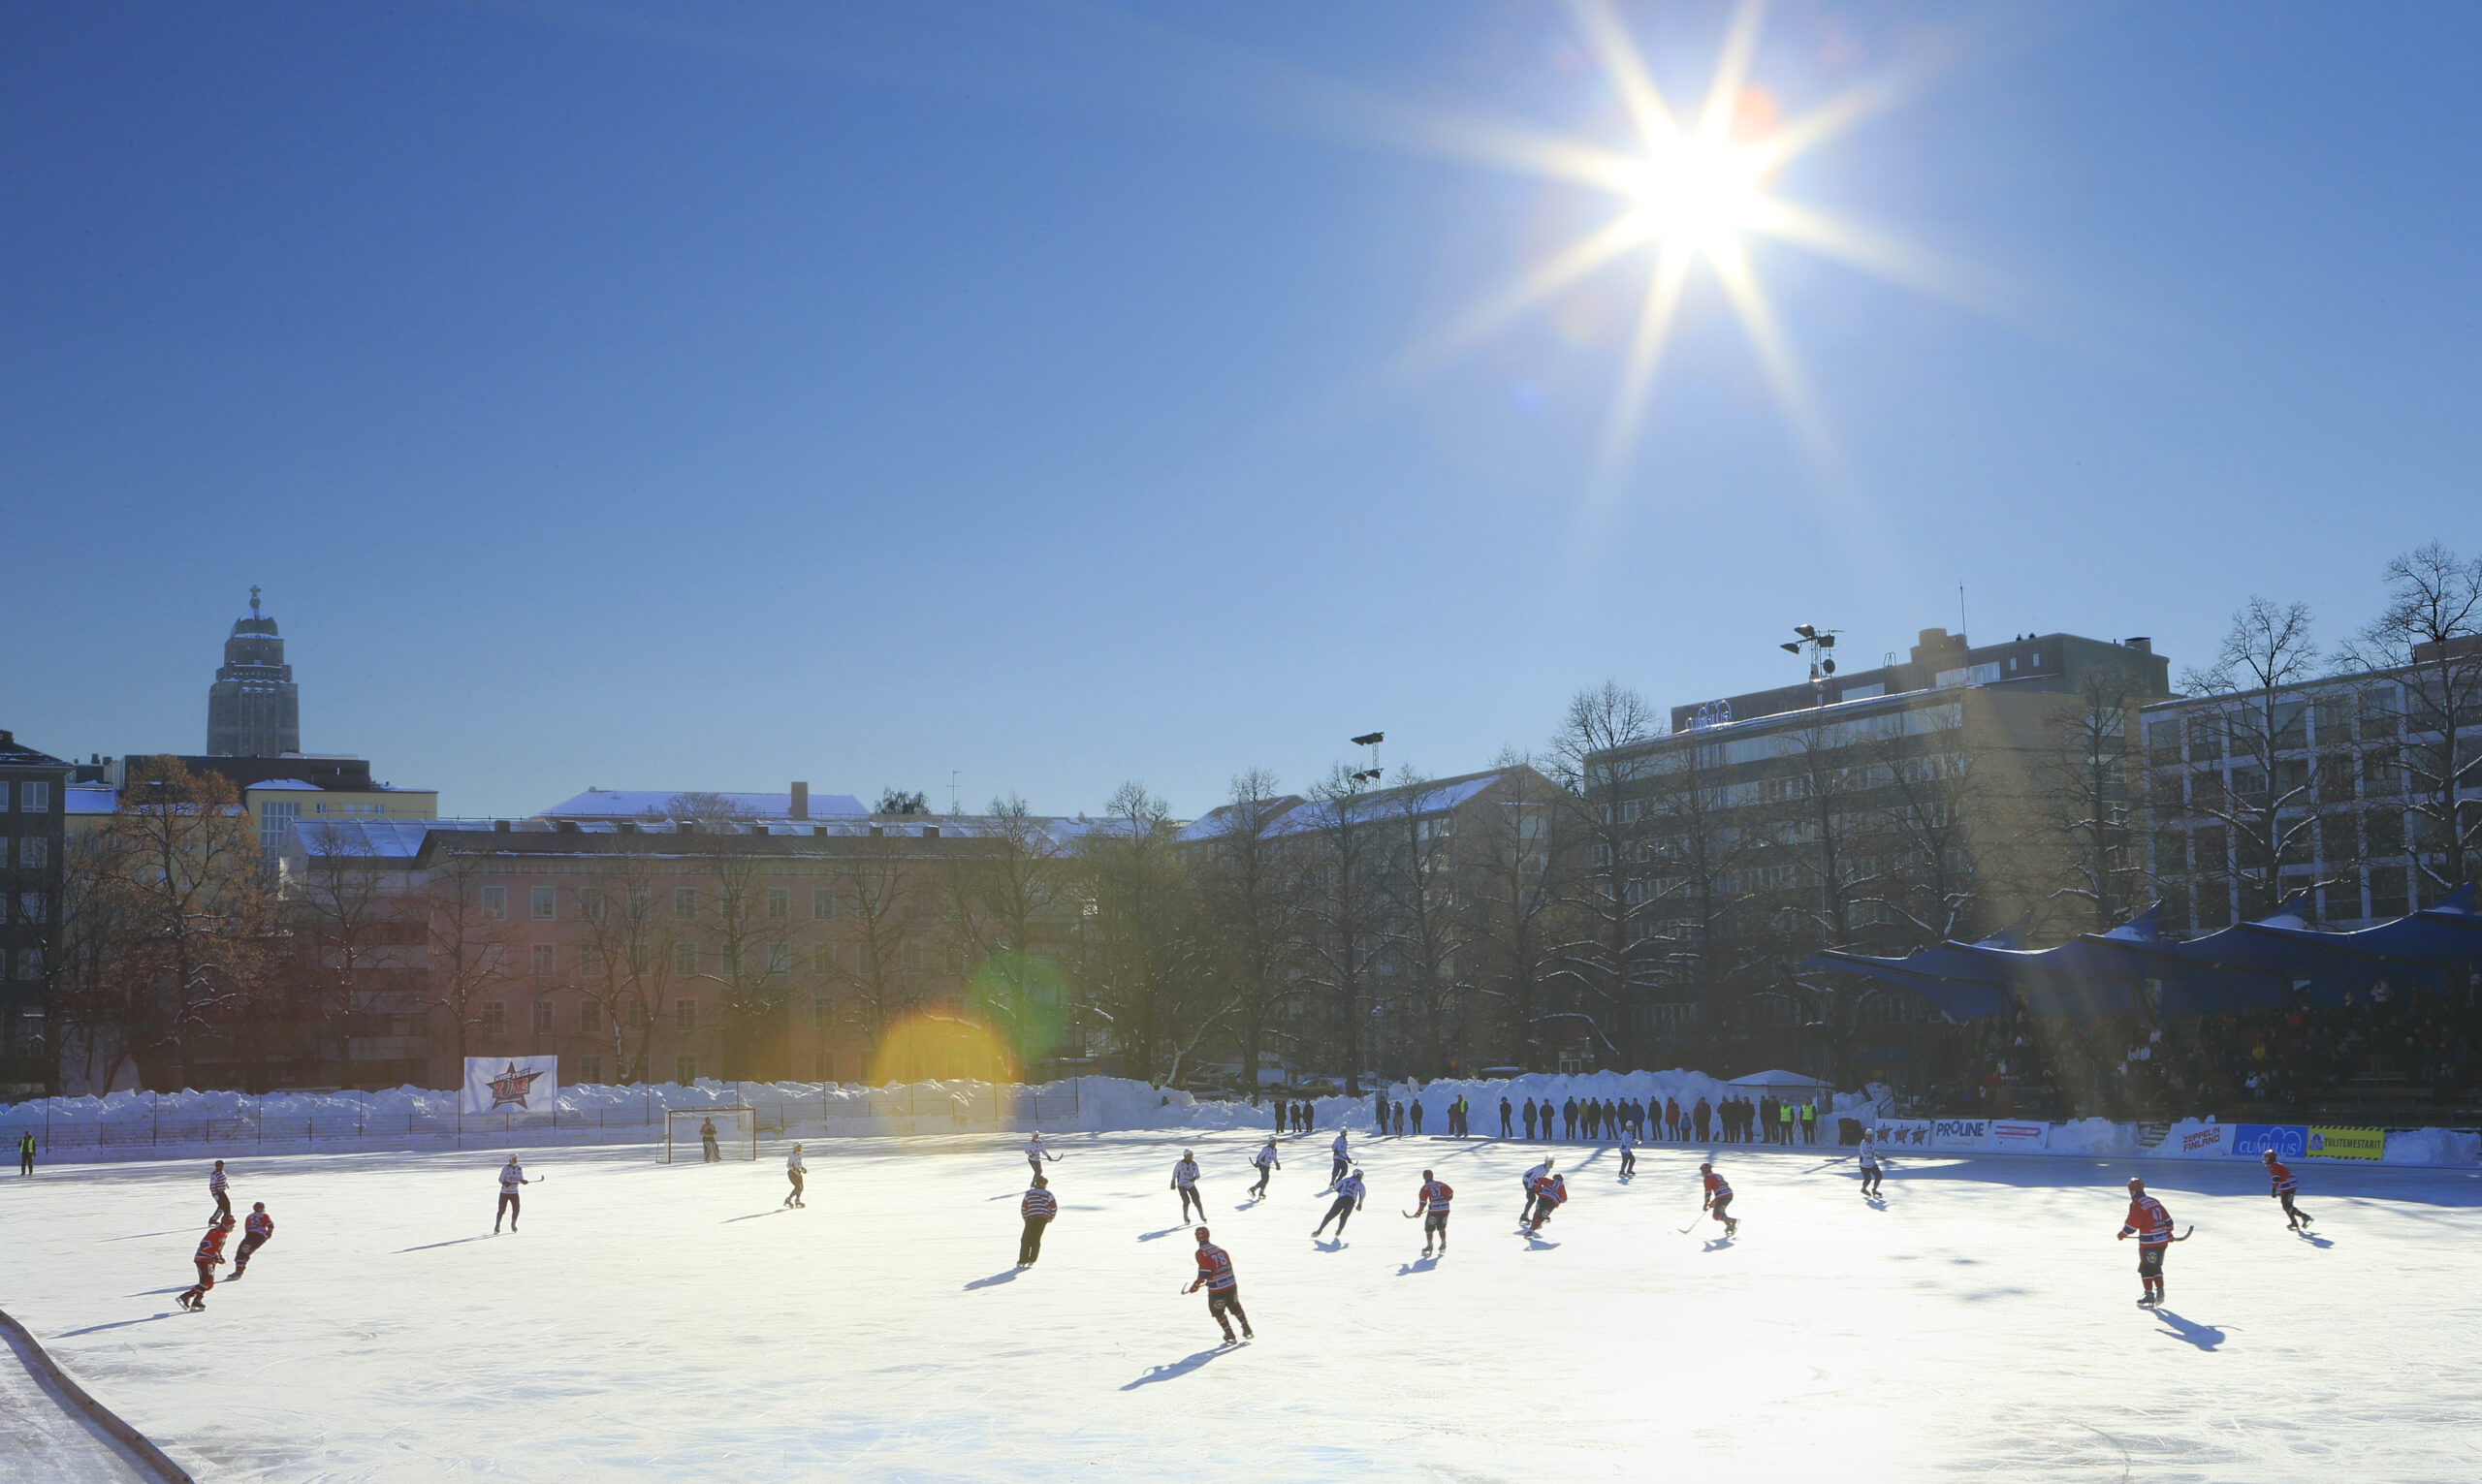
(253, 709)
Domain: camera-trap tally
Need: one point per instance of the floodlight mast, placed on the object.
(1815, 643)
(1373, 773)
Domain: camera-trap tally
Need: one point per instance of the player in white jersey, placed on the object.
(1628, 1151)
(1035, 1155)
(1533, 1178)
(1185, 1181)
(1343, 1160)
(1351, 1192)
(1267, 1162)
(218, 1187)
(1867, 1158)
(512, 1177)
(794, 1170)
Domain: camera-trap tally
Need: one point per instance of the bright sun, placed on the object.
(1693, 192)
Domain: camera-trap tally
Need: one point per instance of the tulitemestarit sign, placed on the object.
(2347, 1143)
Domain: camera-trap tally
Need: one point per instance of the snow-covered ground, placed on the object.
(655, 1323)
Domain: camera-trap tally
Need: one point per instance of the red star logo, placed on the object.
(512, 1085)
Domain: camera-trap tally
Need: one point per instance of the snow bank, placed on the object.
(2434, 1145)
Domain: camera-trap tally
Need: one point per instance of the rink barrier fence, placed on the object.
(47, 1369)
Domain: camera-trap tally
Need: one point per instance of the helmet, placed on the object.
(2268, 1155)
(2136, 1183)
(1703, 1168)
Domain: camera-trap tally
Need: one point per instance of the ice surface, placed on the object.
(657, 1322)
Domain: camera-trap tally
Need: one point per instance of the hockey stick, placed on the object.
(2184, 1235)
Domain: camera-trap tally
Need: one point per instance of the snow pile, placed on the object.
(2434, 1145)
(2092, 1136)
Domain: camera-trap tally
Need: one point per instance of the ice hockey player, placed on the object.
(1351, 1192)
(256, 1228)
(1719, 1200)
(1343, 1160)
(794, 1170)
(511, 1178)
(1035, 1155)
(708, 1153)
(1548, 1196)
(1867, 1158)
(1533, 1178)
(2280, 1179)
(210, 1256)
(26, 1152)
(1628, 1151)
(1037, 1208)
(1267, 1162)
(1431, 1205)
(2151, 1225)
(1185, 1181)
(1222, 1294)
(217, 1186)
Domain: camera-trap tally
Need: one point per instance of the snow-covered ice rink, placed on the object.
(654, 1323)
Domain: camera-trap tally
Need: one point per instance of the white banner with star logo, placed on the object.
(510, 1084)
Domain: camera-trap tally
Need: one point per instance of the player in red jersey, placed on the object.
(209, 1258)
(2280, 1179)
(1719, 1200)
(2151, 1225)
(1431, 1205)
(1222, 1294)
(256, 1229)
(1551, 1193)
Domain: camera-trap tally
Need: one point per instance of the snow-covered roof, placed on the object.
(285, 783)
(387, 839)
(1412, 800)
(638, 803)
(89, 798)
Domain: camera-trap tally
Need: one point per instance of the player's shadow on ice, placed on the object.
(2320, 1242)
(1175, 1371)
(1005, 1276)
(2205, 1337)
(1418, 1265)
(1165, 1232)
(451, 1241)
(757, 1215)
(1534, 1244)
(1716, 1243)
(148, 1293)
(96, 1329)
(134, 1236)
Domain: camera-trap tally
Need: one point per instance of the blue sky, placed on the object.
(708, 396)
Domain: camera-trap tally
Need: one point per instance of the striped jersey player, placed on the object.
(2151, 1225)
(2281, 1186)
(1431, 1205)
(1222, 1294)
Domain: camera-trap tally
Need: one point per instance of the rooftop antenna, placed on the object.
(1962, 627)
(1819, 646)
(952, 793)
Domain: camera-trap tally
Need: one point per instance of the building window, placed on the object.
(2388, 896)
(823, 1012)
(684, 1015)
(913, 958)
(545, 1022)
(590, 1069)
(684, 901)
(684, 1069)
(780, 958)
(823, 1066)
(685, 958)
(34, 850)
(545, 960)
(34, 798)
(545, 903)
(589, 961)
(589, 1018)
(272, 818)
(32, 907)
(30, 964)
(823, 904)
(495, 1017)
(495, 902)
(589, 903)
(780, 903)
(823, 959)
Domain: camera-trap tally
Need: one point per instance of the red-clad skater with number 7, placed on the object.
(209, 1258)
(1718, 1200)
(1222, 1294)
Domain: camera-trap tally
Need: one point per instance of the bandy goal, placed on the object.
(686, 1139)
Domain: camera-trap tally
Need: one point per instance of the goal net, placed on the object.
(686, 1134)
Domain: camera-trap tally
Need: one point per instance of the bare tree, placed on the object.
(1518, 906)
(1425, 927)
(98, 924)
(1616, 948)
(745, 903)
(1140, 957)
(2263, 671)
(2083, 798)
(1253, 901)
(1338, 863)
(343, 920)
(1694, 851)
(198, 917)
(469, 933)
(1001, 903)
(1925, 804)
(881, 891)
(2431, 631)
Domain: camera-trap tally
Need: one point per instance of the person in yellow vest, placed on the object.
(1784, 1121)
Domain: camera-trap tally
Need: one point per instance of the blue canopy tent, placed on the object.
(2272, 963)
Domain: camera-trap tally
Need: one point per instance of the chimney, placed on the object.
(801, 800)
(2142, 644)
(500, 825)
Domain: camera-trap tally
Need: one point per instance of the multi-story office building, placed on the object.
(2350, 788)
(34, 789)
(1948, 793)
(254, 708)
